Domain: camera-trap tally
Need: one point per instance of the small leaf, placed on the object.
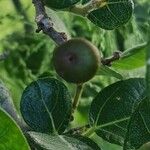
(59, 4)
(62, 142)
(11, 137)
(132, 58)
(46, 105)
(112, 14)
(106, 71)
(139, 127)
(111, 109)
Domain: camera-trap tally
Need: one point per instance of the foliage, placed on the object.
(10, 133)
(113, 111)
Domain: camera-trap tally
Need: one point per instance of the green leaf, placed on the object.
(106, 71)
(62, 142)
(46, 106)
(139, 127)
(6, 102)
(59, 4)
(11, 137)
(132, 58)
(142, 16)
(112, 14)
(148, 70)
(111, 109)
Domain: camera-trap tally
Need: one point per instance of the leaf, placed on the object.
(104, 144)
(142, 15)
(148, 70)
(59, 4)
(6, 102)
(11, 137)
(112, 14)
(111, 109)
(132, 58)
(46, 106)
(62, 142)
(106, 71)
(139, 127)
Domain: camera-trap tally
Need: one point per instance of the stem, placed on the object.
(108, 61)
(85, 9)
(97, 127)
(78, 93)
(89, 132)
(77, 10)
(77, 130)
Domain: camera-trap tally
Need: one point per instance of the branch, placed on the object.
(45, 24)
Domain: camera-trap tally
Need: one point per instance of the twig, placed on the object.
(108, 61)
(45, 24)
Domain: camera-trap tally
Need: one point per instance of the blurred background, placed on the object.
(29, 54)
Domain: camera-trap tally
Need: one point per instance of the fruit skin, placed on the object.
(77, 60)
(145, 146)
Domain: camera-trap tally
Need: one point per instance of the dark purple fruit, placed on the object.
(77, 60)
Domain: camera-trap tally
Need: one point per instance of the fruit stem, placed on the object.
(78, 93)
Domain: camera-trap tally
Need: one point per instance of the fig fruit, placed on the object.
(146, 146)
(76, 60)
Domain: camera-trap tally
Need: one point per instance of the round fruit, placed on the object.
(77, 60)
(145, 146)
(59, 4)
